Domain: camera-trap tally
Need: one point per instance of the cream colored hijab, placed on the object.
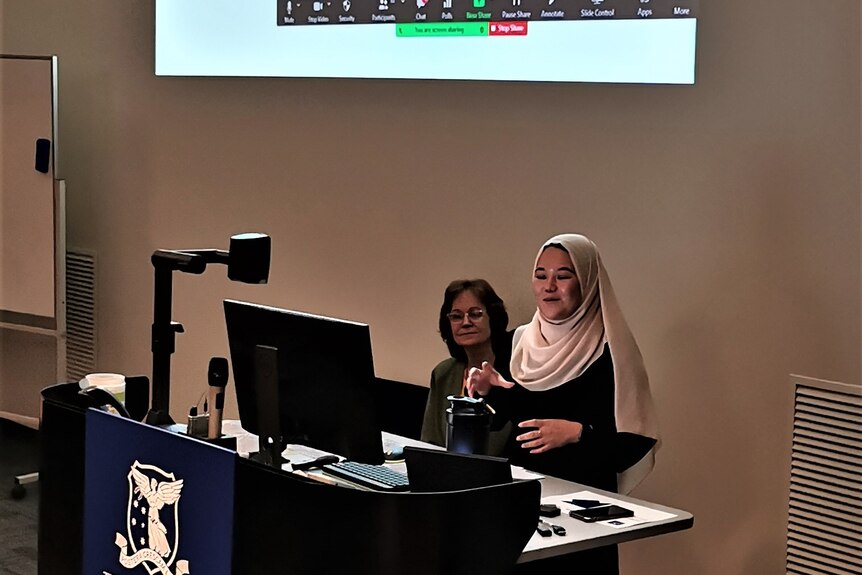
(547, 354)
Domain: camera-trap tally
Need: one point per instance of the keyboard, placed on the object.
(376, 477)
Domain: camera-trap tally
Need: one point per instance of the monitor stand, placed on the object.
(270, 442)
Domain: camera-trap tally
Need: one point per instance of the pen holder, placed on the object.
(198, 425)
(468, 425)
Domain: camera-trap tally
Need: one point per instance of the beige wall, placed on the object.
(728, 215)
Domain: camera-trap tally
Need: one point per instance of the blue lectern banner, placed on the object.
(154, 501)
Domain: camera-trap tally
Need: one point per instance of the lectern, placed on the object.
(118, 494)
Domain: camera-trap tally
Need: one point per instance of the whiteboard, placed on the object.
(28, 227)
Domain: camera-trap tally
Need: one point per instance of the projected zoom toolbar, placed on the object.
(305, 12)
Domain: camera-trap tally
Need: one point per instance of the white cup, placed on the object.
(114, 383)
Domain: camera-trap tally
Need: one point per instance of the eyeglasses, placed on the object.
(474, 313)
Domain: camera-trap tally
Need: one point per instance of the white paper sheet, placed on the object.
(641, 514)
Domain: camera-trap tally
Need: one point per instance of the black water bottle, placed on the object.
(468, 425)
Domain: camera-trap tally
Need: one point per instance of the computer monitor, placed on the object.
(324, 372)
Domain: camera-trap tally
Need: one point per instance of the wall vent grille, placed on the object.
(80, 313)
(824, 529)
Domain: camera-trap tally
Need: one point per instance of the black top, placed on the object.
(589, 400)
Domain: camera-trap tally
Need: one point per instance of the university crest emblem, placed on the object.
(152, 522)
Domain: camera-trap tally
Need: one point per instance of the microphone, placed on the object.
(217, 379)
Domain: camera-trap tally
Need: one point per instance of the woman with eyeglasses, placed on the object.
(578, 392)
(472, 323)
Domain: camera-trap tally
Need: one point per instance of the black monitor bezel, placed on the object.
(325, 377)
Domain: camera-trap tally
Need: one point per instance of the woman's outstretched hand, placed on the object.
(547, 434)
(480, 380)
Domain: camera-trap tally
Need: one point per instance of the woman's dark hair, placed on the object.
(494, 307)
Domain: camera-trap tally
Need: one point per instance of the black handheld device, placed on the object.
(586, 502)
(602, 513)
(548, 510)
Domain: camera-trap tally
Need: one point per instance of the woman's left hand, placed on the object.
(547, 434)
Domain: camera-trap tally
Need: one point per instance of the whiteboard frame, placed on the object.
(54, 327)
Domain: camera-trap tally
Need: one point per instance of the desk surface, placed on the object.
(580, 535)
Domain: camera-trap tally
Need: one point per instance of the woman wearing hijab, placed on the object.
(581, 394)
(472, 323)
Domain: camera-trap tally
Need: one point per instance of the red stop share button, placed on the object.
(507, 29)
